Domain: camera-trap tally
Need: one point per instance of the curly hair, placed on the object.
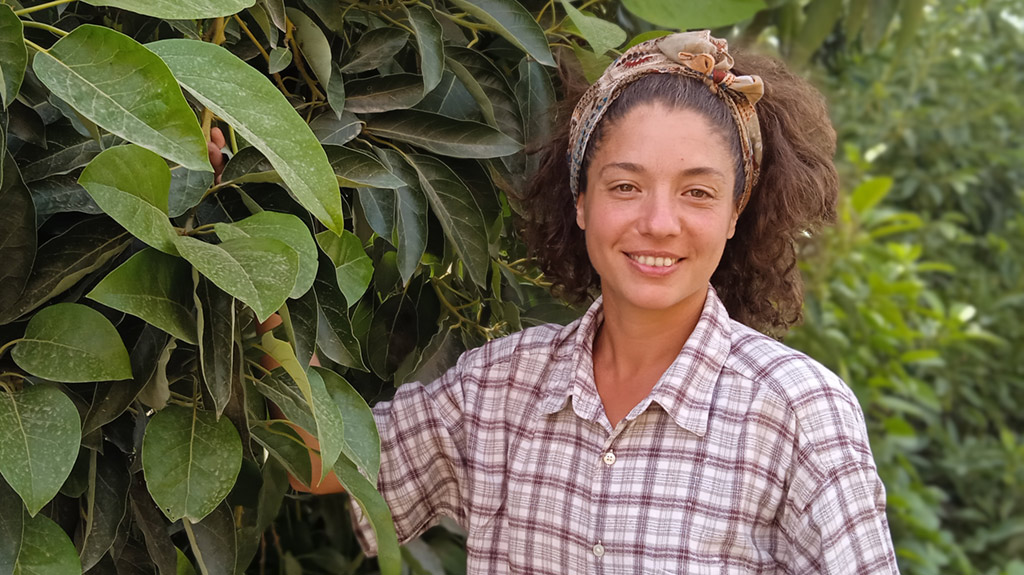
(757, 277)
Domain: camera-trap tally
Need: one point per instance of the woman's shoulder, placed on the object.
(536, 344)
(824, 408)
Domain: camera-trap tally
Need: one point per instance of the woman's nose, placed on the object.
(658, 216)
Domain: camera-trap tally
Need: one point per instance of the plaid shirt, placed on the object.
(746, 457)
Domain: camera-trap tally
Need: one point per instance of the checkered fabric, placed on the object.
(747, 457)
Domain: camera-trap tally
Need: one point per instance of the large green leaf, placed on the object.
(190, 460)
(374, 49)
(262, 116)
(602, 35)
(123, 87)
(410, 216)
(259, 271)
(154, 527)
(215, 318)
(330, 129)
(66, 151)
(353, 267)
(39, 437)
(286, 446)
(694, 14)
(111, 399)
(536, 98)
(376, 510)
(286, 228)
(17, 234)
(106, 505)
(65, 259)
(494, 91)
(383, 93)
(12, 527)
(70, 342)
(360, 168)
(443, 135)
(131, 184)
(299, 319)
(453, 203)
(514, 23)
(326, 416)
(430, 43)
(335, 336)
(46, 550)
(187, 189)
(13, 55)
(178, 9)
(362, 442)
(313, 45)
(155, 287)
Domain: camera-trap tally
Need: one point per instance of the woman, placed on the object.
(656, 434)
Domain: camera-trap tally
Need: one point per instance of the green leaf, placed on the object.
(328, 425)
(443, 135)
(869, 193)
(178, 9)
(602, 35)
(111, 399)
(106, 505)
(353, 267)
(183, 566)
(378, 205)
(13, 56)
(46, 550)
(155, 530)
(374, 49)
(411, 216)
(280, 58)
(376, 510)
(155, 287)
(262, 116)
(536, 98)
(187, 189)
(190, 460)
(514, 23)
(259, 271)
(362, 442)
(383, 93)
(454, 205)
(430, 44)
(67, 258)
(39, 438)
(313, 45)
(17, 234)
(288, 229)
(72, 343)
(121, 86)
(494, 91)
(299, 318)
(330, 129)
(214, 541)
(694, 14)
(359, 168)
(12, 526)
(335, 336)
(285, 445)
(215, 318)
(131, 184)
(593, 64)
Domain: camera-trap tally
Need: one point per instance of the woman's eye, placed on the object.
(698, 193)
(624, 188)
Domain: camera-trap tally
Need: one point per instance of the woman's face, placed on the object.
(657, 209)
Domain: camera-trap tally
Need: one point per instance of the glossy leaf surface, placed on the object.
(70, 342)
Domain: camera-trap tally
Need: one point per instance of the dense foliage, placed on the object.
(372, 146)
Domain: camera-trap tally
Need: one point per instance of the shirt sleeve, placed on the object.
(422, 457)
(834, 518)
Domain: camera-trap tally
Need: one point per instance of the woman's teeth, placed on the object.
(652, 261)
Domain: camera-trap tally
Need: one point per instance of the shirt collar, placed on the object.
(685, 390)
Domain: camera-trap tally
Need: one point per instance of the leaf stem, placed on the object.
(43, 6)
(11, 343)
(47, 27)
(231, 138)
(35, 46)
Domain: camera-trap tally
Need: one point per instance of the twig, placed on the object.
(44, 6)
(47, 27)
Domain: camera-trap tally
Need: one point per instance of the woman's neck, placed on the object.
(631, 351)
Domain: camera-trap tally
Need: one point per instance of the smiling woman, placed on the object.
(656, 434)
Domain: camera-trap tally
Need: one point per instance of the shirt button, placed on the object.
(609, 458)
(599, 550)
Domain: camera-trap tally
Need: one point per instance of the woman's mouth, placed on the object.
(654, 261)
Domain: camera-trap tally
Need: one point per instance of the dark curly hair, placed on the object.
(757, 278)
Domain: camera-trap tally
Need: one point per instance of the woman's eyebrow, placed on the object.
(637, 168)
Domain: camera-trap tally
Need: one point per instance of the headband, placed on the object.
(694, 54)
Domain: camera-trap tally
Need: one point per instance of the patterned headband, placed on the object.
(693, 54)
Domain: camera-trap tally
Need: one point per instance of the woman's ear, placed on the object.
(732, 223)
(580, 212)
